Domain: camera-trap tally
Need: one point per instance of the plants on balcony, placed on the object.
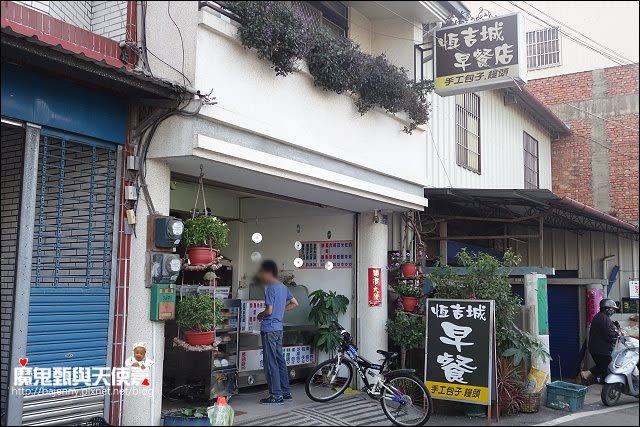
(204, 236)
(283, 35)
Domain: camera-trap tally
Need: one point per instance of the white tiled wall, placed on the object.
(107, 18)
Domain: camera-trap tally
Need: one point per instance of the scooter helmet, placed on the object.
(609, 304)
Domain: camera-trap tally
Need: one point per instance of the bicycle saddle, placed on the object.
(388, 354)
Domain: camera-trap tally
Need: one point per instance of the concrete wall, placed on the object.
(106, 18)
(613, 25)
(10, 185)
(249, 94)
(144, 409)
(601, 154)
(501, 145)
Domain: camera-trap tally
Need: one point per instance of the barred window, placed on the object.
(531, 173)
(468, 131)
(329, 15)
(543, 48)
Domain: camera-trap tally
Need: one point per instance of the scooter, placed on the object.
(623, 371)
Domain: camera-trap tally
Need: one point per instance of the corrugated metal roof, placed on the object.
(539, 111)
(561, 212)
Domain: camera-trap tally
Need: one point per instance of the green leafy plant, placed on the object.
(198, 412)
(406, 288)
(199, 312)
(407, 331)
(488, 278)
(205, 230)
(281, 33)
(524, 347)
(325, 309)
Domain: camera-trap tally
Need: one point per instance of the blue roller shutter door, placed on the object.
(71, 271)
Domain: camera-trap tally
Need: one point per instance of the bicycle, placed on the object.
(404, 398)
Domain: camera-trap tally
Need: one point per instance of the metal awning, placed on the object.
(525, 207)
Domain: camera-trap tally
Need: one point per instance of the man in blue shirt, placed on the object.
(277, 299)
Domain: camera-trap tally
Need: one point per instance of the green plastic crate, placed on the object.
(564, 395)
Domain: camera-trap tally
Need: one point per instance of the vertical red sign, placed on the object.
(375, 287)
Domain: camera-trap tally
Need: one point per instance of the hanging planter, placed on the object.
(201, 255)
(409, 303)
(198, 316)
(204, 236)
(410, 294)
(409, 270)
(200, 337)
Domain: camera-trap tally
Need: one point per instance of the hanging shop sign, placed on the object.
(460, 350)
(480, 55)
(316, 254)
(375, 286)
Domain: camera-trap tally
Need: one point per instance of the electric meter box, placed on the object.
(167, 232)
(165, 267)
(163, 302)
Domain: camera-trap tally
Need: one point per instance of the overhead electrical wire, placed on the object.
(580, 33)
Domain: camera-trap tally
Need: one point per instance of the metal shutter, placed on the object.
(71, 272)
(564, 330)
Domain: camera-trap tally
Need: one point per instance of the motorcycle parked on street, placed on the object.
(623, 371)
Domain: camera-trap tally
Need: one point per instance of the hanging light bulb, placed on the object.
(256, 237)
(298, 262)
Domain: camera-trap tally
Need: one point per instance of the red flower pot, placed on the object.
(409, 303)
(409, 270)
(200, 338)
(201, 255)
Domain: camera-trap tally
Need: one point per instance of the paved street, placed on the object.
(359, 410)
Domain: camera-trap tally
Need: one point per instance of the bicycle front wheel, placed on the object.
(405, 400)
(329, 380)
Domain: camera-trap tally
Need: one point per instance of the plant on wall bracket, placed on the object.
(281, 33)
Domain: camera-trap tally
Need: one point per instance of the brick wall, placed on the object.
(562, 89)
(571, 164)
(598, 163)
(623, 166)
(105, 18)
(10, 183)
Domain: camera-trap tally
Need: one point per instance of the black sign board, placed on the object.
(479, 55)
(460, 350)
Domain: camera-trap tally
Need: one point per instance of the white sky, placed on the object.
(614, 24)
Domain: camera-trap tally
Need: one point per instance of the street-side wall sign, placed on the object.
(480, 55)
(460, 350)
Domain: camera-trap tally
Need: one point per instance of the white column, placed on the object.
(145, 409)
(535, 294)
(371, 252)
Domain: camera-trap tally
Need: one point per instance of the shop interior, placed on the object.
(294, 234)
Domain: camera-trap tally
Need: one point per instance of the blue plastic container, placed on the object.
(564, 395)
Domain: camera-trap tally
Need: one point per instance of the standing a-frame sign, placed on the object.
(460, 356)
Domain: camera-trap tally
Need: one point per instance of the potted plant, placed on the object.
(204, 236)
(198, 316)
(187, 417)
(409, 269)
(410, 294)
(325, 309)
(407, 331)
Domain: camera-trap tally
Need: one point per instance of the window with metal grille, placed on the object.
(468, 131)
(543, 48)
(332, 16)
(531, 173)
